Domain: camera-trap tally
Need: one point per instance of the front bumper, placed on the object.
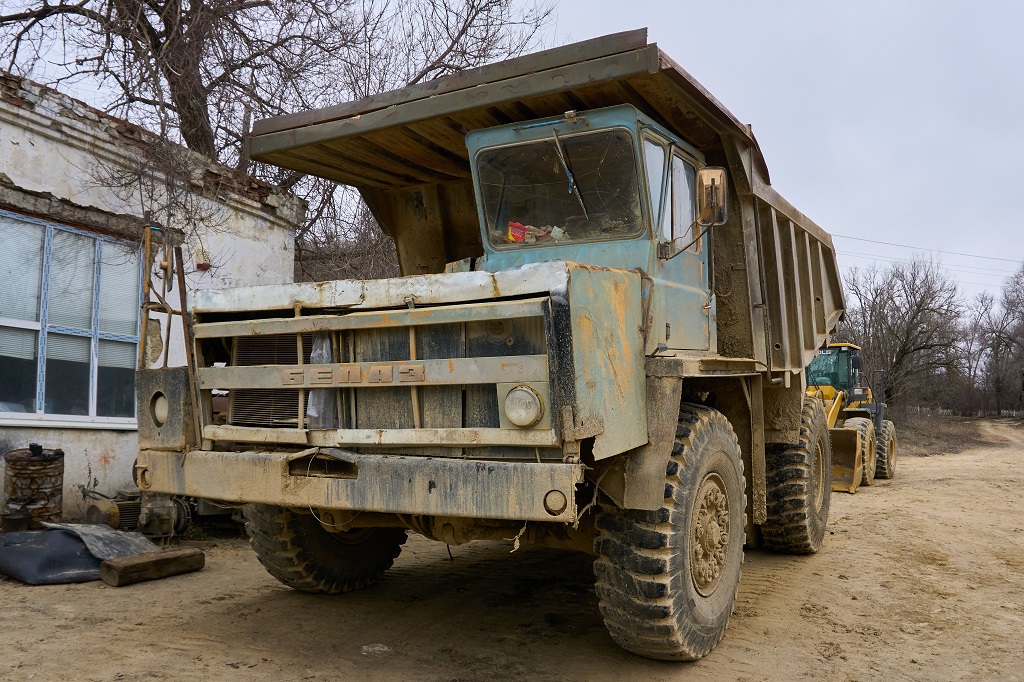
(526, 491)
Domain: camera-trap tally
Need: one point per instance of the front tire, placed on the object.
(868, 448)
(666, 579)
(799, 486)
(886, 451)
(302, 554)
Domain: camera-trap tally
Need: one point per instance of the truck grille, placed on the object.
(448, 406)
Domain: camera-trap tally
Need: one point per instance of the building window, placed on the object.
(69, 322)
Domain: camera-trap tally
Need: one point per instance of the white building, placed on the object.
(71, 276)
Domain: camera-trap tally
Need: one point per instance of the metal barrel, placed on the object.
(34, 484)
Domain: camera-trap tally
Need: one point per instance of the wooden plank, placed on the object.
(346, 160)
(409, 161)
(439, 437)
(136, 568)
(325, 170)
(622, 65)
(495, 310)
(441, 406)
(405, 436)
(255, 434)
(418, 228)
(408, 143)
(389, 406)
(539, 61)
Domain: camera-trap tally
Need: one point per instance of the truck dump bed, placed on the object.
(776, 279)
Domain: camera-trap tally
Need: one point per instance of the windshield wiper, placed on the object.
(573, 189)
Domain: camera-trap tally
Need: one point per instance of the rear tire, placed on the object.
(868, 447)
(302, 554)
(799, 486)
(666, 580)
(886, 451)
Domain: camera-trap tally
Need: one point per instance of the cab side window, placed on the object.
(654, 158)
(684, 211)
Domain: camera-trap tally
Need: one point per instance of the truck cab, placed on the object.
(609, 188)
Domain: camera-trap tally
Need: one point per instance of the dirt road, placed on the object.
(921, 578)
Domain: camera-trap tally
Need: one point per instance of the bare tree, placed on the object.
(905, 318)
(1004, 352)
(198, 72)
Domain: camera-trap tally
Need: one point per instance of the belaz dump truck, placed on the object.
(863, 440)
(598, 343)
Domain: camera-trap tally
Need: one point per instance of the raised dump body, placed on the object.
(598, 342)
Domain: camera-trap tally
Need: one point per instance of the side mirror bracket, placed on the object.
(712, 196)
(712, 207)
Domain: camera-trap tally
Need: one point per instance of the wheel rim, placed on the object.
(870, 459)
(709, 534)
(819, 474)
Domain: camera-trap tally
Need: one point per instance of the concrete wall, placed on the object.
(53, 150)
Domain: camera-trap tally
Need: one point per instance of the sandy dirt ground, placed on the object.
(921, 578)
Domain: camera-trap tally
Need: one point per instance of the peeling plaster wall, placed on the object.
(50, 145)
(93, 458)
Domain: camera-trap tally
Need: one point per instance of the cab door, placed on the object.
(680, 301)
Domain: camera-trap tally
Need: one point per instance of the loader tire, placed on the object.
(666, 579)
(886, 451)
(302, 554)
(799, 482)
(868, 447)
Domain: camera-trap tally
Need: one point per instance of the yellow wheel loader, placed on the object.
(863, 441)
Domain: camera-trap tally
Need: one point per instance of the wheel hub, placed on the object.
(709, 535)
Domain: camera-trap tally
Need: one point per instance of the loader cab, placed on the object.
(836, 366)
(609, 188)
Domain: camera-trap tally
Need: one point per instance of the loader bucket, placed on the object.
(846, 461)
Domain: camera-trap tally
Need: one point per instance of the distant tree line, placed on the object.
(936, 349)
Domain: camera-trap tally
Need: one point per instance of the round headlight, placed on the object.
(523, 406)
(159, 408)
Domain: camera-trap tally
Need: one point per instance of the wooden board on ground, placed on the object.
(151, 566)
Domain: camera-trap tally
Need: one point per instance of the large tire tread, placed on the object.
(868, 447)
(886, 451)
(299, 552)
(793, 525)
(640, 588)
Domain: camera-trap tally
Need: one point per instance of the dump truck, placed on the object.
(597, 343)
(863, 440)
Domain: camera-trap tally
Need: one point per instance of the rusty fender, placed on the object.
(331, 478)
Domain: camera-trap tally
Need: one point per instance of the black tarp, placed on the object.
(65, 553)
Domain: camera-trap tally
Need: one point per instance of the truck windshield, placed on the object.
(831, 367)
(568, 188)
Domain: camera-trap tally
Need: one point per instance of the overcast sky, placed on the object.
(893, 121)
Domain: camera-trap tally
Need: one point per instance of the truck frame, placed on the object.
(597, 342)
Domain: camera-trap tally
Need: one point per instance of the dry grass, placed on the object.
(923, 435)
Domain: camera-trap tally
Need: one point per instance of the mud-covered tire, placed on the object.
(868, 447)
(302, 554)
(799, 483)
(885, 452)
(666, 579)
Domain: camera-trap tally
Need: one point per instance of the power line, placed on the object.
(968, 269)
(923, 248)
(959, 281)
